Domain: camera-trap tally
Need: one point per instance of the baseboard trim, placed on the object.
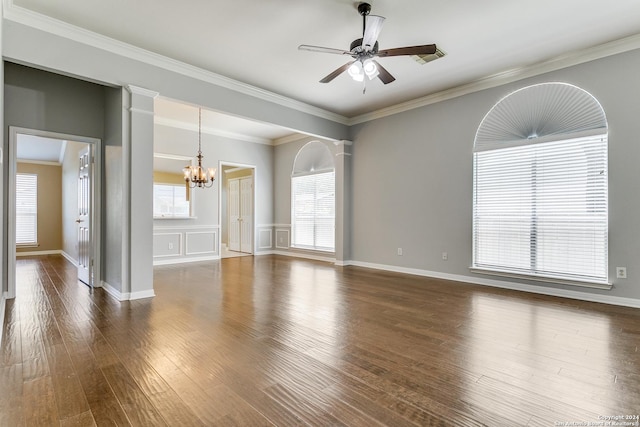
(185, 260)
(38, 253)
(562, 293)
(3, 303)
(142, 295)
(299, 255)
(113, 291)
(69, 258)
(127, 296)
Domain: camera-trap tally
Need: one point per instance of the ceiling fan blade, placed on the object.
(337, 72)
(427, 49)
(323, 49)
(372, 31)
(383, 74)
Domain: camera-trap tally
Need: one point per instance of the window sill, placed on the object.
(26, 245)
(560, 281)
(310, 249)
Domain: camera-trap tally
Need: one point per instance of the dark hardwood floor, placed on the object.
(280, 341)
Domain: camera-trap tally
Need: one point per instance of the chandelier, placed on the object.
(197, 176)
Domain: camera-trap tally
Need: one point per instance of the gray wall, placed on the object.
(215, 149)
(112, 189)
(40, 100)
(412, 176)
(29, 45)
(169, 140)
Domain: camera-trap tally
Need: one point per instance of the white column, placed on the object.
(343, 185)
(139, 164)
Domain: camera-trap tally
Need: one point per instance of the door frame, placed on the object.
(254, 174)
(96, 202)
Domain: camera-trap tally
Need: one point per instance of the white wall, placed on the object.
(412, 179)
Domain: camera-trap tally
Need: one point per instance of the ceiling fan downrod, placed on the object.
(364, 9)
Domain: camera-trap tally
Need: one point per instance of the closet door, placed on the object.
(234, 215)
(246, 214)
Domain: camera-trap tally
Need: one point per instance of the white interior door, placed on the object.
(84, 215)
(246, 214)
(234, 214)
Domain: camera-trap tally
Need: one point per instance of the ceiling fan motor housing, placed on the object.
(356, 47)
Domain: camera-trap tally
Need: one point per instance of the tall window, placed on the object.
(313, 198)
(540, 186)
(26, 209)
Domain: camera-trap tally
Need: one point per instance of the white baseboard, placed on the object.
(37, 253)
(299, 255)
(563, 293)
(69, 258)
(112, 291)
(185, 260)
(127, 296)
(3, 304)
(142, 294)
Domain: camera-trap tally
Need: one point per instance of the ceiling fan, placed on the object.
(365, 50)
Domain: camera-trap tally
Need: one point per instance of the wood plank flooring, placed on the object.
(278, 341)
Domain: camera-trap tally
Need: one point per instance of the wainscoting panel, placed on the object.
(201, 243)
(179, 244)
(282, 238)
(265, 238)
(167, 244)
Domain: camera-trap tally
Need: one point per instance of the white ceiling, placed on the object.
(255, 41)
(40, 149)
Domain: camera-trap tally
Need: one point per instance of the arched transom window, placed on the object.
(540, 186)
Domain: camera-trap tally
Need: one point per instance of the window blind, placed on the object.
(541, 209)
(313, 211)
(26, 209)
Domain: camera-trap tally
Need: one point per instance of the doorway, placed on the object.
(237, 210)
(59, 166)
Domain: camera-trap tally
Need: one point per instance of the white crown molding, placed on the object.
(136, 90)
(63, 29)
(178, 124)
(51, 25)
(290, 138)
(574, 58)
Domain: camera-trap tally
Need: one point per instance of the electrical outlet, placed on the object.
(445, 256)
(621, 272)
(400, 251)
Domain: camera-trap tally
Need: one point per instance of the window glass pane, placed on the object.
(541, 209)
(313, 211)
(170, 200)
(26, 208)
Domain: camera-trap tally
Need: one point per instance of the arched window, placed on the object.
(540, 186)
(313, 198)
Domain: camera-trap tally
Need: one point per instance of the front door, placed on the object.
(84, 215)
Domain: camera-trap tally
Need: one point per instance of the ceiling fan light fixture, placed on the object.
(370, 68)
(356, 72)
